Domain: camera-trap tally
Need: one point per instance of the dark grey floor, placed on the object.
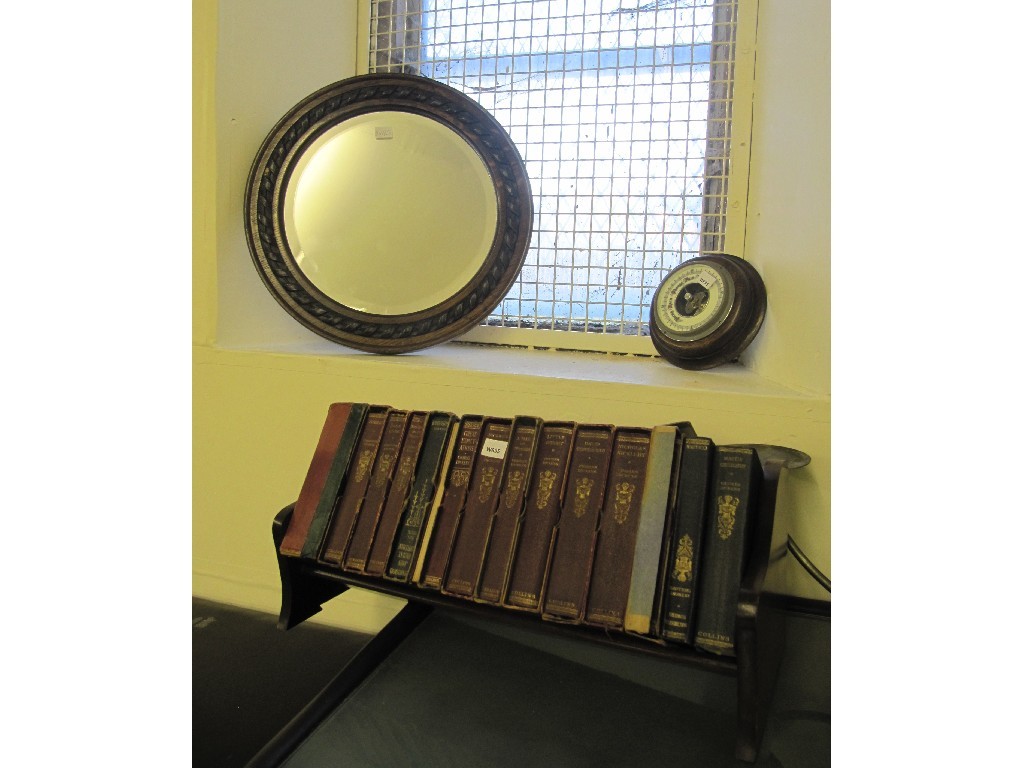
(249, 678)
(566, 703)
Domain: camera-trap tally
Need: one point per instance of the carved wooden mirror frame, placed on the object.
(297, 132)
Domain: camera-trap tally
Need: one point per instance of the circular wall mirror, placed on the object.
(388, 212)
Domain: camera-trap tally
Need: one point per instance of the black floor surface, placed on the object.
(249, 678)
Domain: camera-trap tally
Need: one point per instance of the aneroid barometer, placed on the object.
(707, 310)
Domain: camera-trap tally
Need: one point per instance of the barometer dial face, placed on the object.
(707, 310)
(694, 301)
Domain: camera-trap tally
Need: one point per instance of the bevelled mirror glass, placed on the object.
(388, 212)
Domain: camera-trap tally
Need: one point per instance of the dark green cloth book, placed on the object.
(735, 484)
(441, 524)
(686, 540)
(425, 486)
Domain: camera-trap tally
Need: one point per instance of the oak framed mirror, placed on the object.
(388, 212)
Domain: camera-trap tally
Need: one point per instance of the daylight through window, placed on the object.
(621, 110)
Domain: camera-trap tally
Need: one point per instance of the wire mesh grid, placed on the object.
(621, 110)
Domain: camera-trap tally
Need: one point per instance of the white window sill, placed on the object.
(649, 378)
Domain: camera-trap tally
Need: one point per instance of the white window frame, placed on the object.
(739, 171)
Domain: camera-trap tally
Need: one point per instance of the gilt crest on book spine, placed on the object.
(683, 566)
(727, 506)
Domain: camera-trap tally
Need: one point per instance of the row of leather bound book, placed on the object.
(642, 530)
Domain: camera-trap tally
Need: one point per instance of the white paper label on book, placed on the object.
(494, 448)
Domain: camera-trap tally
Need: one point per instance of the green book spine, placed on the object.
(316, 476)
(439, 529)
(643, 583)
(425, 487)
(335, 480)
(682, 576)
(339, 529)
(735, 484)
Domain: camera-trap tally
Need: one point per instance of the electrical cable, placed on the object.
(810, 567)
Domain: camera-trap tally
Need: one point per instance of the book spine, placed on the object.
(686, 537)
(650, 536)
(470, 542)
(735, 485)
(501, 537)
(344, 518)
(543, 506)
(368, 514)
(573, 536)
(666, 535)
(337, 478)
(438, 448)
(617, 529)
(398, 495)
(316, 478)
(440, 528)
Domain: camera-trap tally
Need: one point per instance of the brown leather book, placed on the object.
(398, 495)
(482, 496)
(617, 526)
(439, 530)
(543, 505)
(574, 537)
(368, 516)
(344, 518)
(316, 478)
(522, 447)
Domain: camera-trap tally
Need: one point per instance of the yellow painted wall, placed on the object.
(262, 383)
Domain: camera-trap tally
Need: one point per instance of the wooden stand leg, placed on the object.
(301, 595)
(760, 627)
(759, 654)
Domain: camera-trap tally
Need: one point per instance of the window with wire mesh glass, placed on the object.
(621, 110)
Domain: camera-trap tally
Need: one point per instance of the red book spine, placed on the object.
(316, 477)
